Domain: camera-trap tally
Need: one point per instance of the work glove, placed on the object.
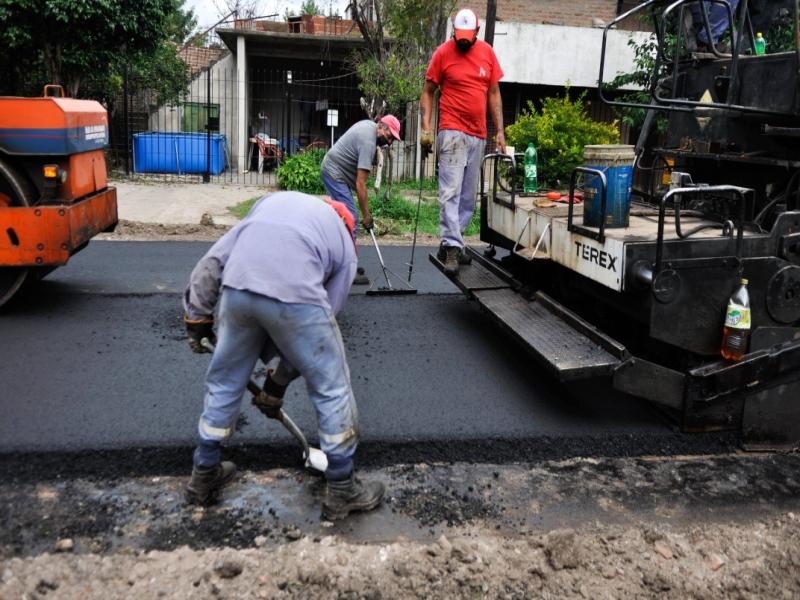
(197, 329)
(270, 399)
(426, 140)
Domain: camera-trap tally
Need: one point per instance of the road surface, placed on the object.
(96, 358)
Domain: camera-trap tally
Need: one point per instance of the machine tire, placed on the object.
(16, 186)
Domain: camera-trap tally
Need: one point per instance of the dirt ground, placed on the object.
(208, 231)
(757, 561)
(666, 527)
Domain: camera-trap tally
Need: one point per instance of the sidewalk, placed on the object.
(181, 203)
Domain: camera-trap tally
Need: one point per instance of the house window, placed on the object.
(195, 116)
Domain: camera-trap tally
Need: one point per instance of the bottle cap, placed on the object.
(744, 281)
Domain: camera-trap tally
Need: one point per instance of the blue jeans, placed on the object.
(460, 157)
(718, 19)
(340, 191)
(306, 337)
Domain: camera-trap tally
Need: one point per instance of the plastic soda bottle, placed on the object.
(761, 44)
(736, 333)
(531, 183)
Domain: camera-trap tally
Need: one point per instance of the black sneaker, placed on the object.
(350, 495)
(206, 482)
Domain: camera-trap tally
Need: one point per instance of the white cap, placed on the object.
(465, 23)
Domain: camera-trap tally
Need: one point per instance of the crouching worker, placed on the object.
(278, 278)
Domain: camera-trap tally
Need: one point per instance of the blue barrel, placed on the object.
(181, 153)
(616, 162)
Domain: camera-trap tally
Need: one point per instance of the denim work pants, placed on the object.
(718, 19)
(460, 157)
(304, 335)
(340, 191)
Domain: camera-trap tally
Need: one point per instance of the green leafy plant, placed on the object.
(301, 172)
(559, 130)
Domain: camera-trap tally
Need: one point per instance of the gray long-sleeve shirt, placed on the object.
(291, 247)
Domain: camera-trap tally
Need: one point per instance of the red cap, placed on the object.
(465, 25)
(393, 124)
(345, 215)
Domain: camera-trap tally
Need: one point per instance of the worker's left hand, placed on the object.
(197, 329)
(367, 222)
(500, 142)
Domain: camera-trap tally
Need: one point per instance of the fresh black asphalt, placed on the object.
(95, 357)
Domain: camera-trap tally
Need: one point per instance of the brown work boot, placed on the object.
(350, 495)
(463, 257)
(451, 260)
(206, 482)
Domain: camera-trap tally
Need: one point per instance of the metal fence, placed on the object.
(231, 129)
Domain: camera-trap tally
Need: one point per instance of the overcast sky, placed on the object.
(208, 11)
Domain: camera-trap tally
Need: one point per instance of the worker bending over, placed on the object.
(278, 279)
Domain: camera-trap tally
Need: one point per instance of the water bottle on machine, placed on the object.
(531, 183)
(760, 44)
(736, 333)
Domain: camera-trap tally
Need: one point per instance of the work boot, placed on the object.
(207, 481)
(350, 495)
(360, 278)
(463, 257)
(451, 260)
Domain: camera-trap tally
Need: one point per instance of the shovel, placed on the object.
(312, 457)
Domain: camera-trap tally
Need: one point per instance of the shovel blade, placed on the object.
(317, 460)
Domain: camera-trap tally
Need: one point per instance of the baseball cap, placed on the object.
(393, 124)
(344, 213)
(465, 24)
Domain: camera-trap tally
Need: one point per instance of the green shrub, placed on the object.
(559, 132)
(301, 172)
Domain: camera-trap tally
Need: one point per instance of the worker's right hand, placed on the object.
(367, 222)
(426, 140)
(197, 329)
(270, 399)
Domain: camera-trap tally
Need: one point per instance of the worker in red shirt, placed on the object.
(467, 72)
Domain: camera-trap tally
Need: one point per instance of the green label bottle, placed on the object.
(761, 44)
(531, 183)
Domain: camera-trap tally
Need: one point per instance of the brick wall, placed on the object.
(576, 13)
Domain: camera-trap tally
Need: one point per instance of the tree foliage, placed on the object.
(559, 131)
(399, 36)
(310, 7)
(644, 60)
(70, 42)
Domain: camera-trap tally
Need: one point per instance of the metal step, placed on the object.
(563, 342)
(557, 339)
(480, 275)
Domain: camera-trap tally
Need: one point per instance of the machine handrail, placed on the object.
(599, 235)
(740, 193)
(674, 104)
(495, 156)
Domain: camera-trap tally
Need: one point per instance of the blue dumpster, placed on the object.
(179, 153)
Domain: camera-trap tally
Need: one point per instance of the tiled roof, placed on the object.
(200, 58)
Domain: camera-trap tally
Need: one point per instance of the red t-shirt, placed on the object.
(465, 79)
